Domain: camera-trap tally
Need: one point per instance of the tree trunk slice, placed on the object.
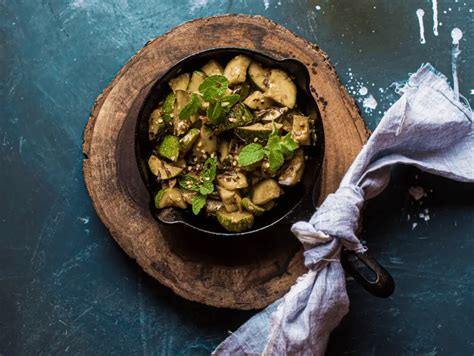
(121, 200)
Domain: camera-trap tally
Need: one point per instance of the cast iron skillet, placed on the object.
(298, 202)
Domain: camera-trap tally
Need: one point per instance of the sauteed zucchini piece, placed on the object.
(251, 207)
(179, 83)
(212, 68)
(281, 88)
(265, 191)
(169, 197)
(236, 221)
(161, 169)
(226, 139)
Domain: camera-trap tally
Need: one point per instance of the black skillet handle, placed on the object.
(368, 272)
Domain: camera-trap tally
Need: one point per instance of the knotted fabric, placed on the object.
(429, 128)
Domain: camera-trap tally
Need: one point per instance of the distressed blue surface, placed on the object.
(66, 287)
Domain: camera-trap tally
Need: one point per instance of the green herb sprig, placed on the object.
(277, 149)
(213, 90)
(202, 185)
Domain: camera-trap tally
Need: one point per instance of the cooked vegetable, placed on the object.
(206, 144)
(251, 207)
(281, 88)
(196, 80)
(294, 170)
(265, 191)
(236, 221)
(161, 169)
(258, 101)
(212, 206)
(300, 130)
(169, 148)
(232, 180)
(180, 82)
(236, 70)
(257, 132)
(156, 126)
(188, 195)
(188, 140)
(169, 197)
(226, 140)
(271, 114)
(181, 126)
(212, 68)
(259, 75)
(230, 198)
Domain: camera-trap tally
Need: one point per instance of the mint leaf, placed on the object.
(288, 145)
(198, 202)
(168, 107)
(206, 188)
(213, 87)
(189, 182)
(209, 170)
(251, 154)
(229, 100)
(191, 108)
(276, 160)
(214, 112)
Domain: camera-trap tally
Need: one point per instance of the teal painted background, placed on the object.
(67, 288)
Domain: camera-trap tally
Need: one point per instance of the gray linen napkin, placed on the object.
(429, 128)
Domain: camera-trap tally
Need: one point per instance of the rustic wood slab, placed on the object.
(119, 196)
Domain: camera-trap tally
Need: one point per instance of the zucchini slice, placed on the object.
(259, 75)
(236, 70)
(169, 148)
(180, 127)
(196, 79)
(301, 131)
(293, 172)
(230, 198)
(271, 114)
(257, 101)
(156, 125)
(236, 221)
(265, 191)
(281, 88)
(161, 169)
(232, 180)
(180, 82)
(206, 144)
(251, 207)
(257, 132)
(188, 140)
(169, 197)
(212, 206)
(212, 68)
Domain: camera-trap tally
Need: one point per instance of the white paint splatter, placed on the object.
(370, 103)
(266, 4)
(85, 220)
(78, 4)
(413, 227)
(435, 17)
(21, 143)
(363, 91)
(420, 13)
(456, 35)
(197, 4)
(318, 7)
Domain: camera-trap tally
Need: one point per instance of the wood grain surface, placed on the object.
(120, 198)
